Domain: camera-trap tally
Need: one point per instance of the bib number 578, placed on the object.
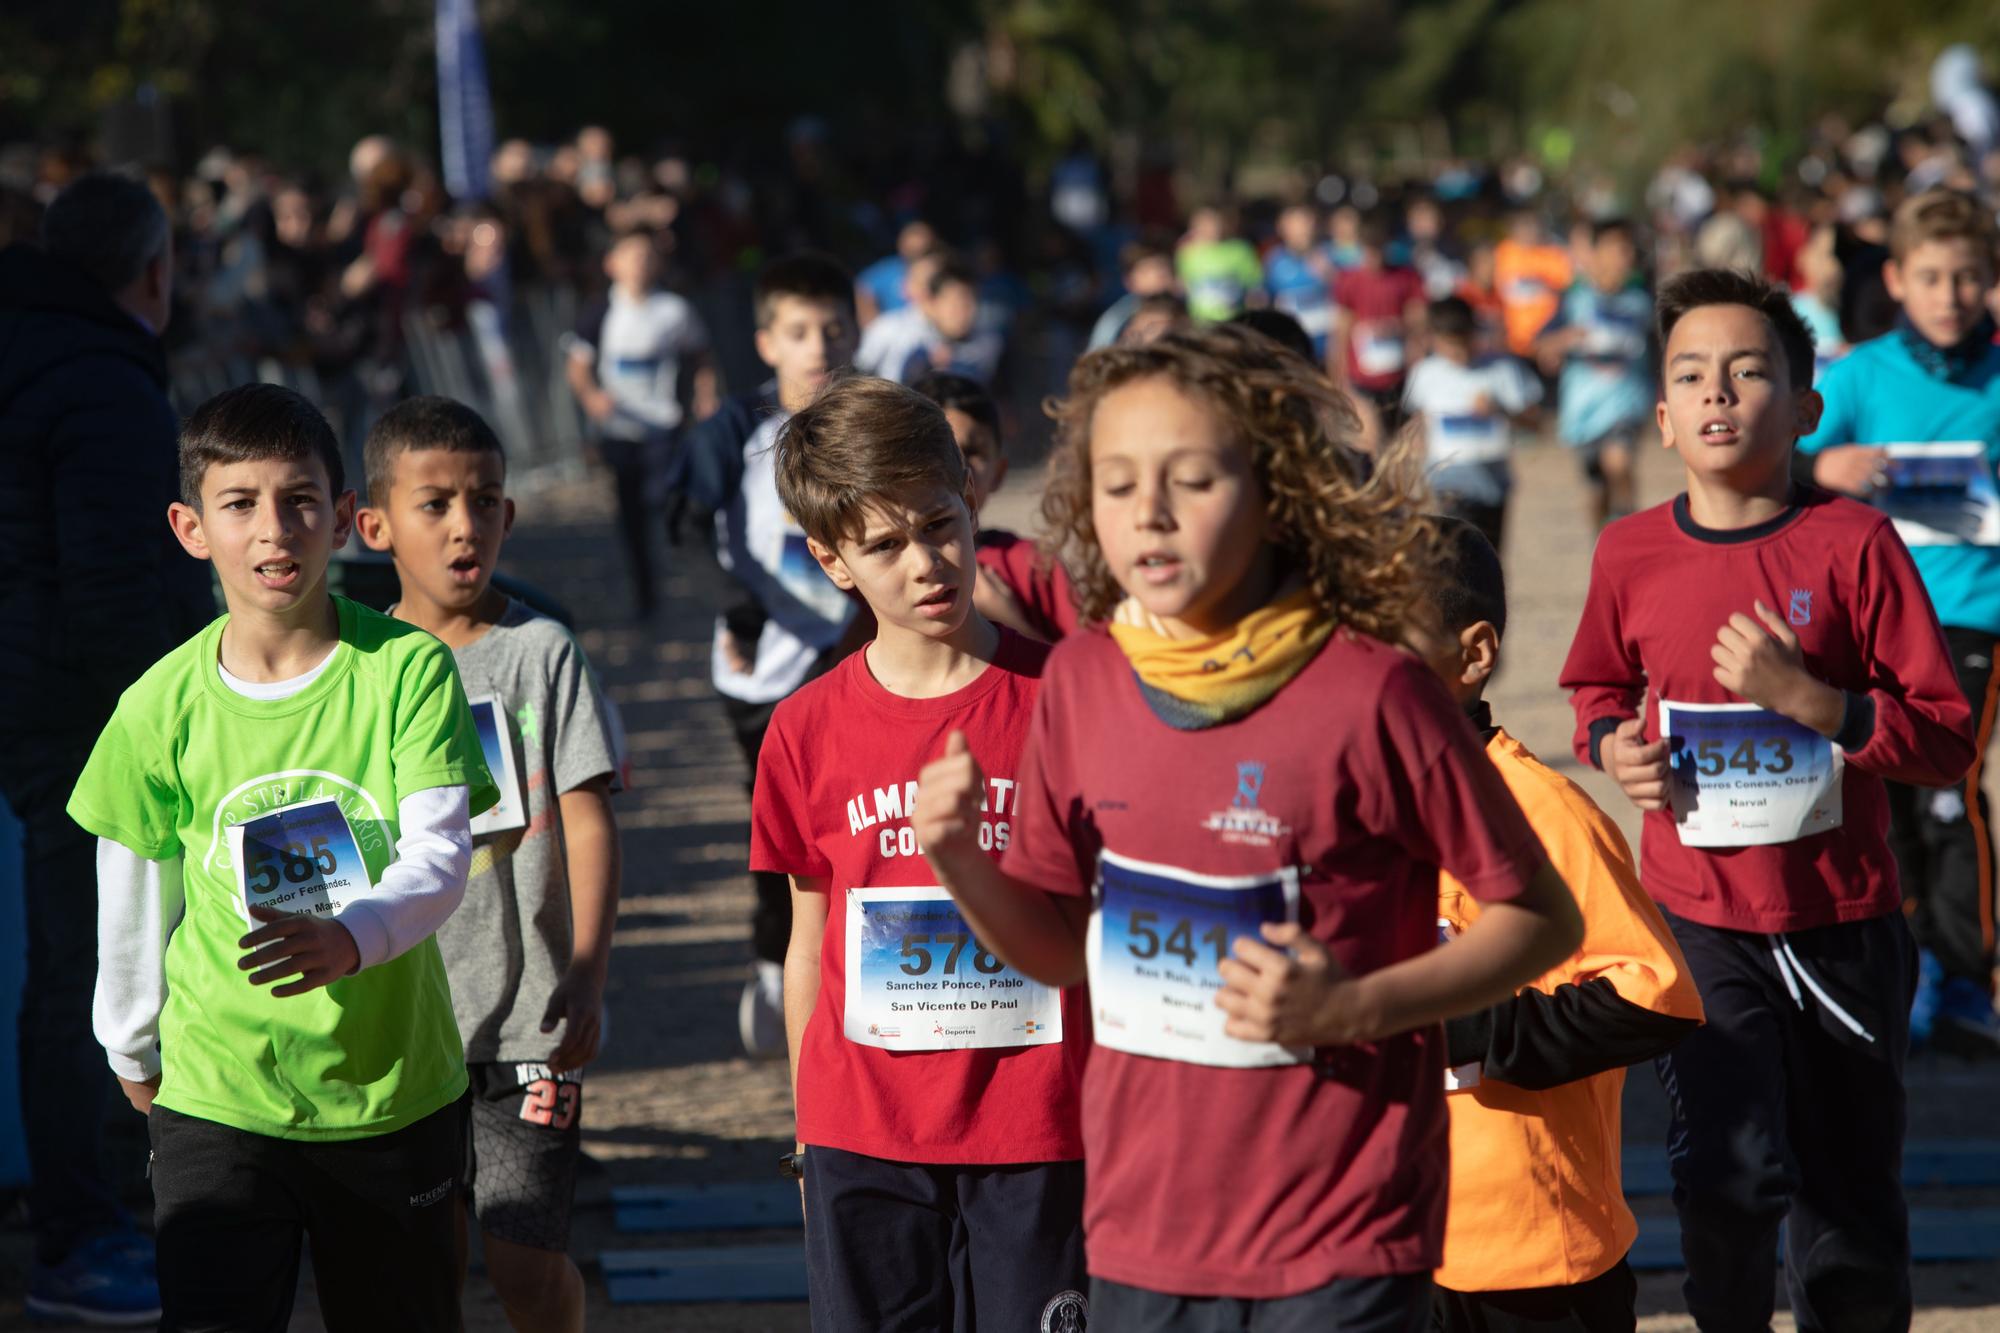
(921, 959)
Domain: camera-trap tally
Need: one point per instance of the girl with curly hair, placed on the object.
(1231, 813)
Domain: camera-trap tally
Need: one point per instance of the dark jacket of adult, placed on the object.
(93, 586)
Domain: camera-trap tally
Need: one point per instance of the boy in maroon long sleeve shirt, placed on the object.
(1792, 661)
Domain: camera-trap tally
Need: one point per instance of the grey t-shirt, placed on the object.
(509, 941)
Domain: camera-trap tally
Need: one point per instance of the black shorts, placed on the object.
(910, 1247)
(232, 1209)
(527, 1137)
(1399, 1303)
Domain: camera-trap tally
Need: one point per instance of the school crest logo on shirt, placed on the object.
(1800, 612)
(1246, 821)
(271, 791)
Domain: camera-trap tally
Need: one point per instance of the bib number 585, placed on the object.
(300, 863)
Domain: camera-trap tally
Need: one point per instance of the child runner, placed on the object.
(285, 798)
(779, 622)
(634, 359)
(1536, 1234)
(1787, 662)
(936, 1087)
(1599, 343)
(1218, 269)
(1530, 274)
(1147, 266)
(1018, 586)
(528, 949)
(1936, 377)
(1469, 405)
(1231, 813)
(1379, 306)
(1298, 273)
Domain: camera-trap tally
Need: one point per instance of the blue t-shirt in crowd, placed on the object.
(1896, 389)
(1296, 287)
(1607, 382)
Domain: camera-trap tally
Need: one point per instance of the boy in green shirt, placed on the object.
(285, 798)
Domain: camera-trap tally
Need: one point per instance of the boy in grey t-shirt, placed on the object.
(529, 946)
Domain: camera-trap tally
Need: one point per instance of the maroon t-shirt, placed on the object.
(1040, 584)
(836, 782)
(1356, 782)
(1377, 346)
(1661, 587)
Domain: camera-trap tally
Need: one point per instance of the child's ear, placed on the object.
(1666, 424)
(372, 523)
(343, 518)
(507, 519)
(1479, 652)
(830, 561)
(186, 523)
(766, 348)
(1807, 408)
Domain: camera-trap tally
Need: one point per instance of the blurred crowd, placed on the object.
(299, 274)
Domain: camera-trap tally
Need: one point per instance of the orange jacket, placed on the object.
(1536, 1199)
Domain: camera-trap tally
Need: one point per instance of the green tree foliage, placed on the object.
(1215, 81)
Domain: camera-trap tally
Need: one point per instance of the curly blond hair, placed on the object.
(1358, 537)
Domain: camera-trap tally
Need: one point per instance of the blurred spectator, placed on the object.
(93, 590)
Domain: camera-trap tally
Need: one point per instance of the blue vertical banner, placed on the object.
(465, 108)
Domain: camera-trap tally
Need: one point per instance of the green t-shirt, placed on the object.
(1218, 276)
(182, 759)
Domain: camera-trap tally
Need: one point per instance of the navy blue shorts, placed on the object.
(1400, 1303)
(893, 1246)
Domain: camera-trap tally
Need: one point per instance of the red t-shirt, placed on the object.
(836, 780)
(1378, 344)
(1660, 589)
(1039, 583)
(1362, 778)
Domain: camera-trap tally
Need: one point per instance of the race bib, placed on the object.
(1942, 494)
(1157, 936)
(1467, 438)
(496, 743)
(799, 573)
(1458, 1078)
(297, 859)
(1378, 349)
(1746, 777)
(917, 980)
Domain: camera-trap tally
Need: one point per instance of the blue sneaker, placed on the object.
(1966, 1024)
(108, 1281)
(1924, 1008)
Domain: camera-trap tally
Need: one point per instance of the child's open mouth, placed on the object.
(278, 574)
(465, 570)
(1159, 568)
(938, 604)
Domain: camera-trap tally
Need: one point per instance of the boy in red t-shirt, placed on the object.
(1019, 586)
(1378, 307)
(936, 1087)
(1759, 760)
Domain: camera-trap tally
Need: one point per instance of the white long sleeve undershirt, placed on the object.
(139, 902)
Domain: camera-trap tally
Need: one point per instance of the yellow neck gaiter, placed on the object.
(1195, 683)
